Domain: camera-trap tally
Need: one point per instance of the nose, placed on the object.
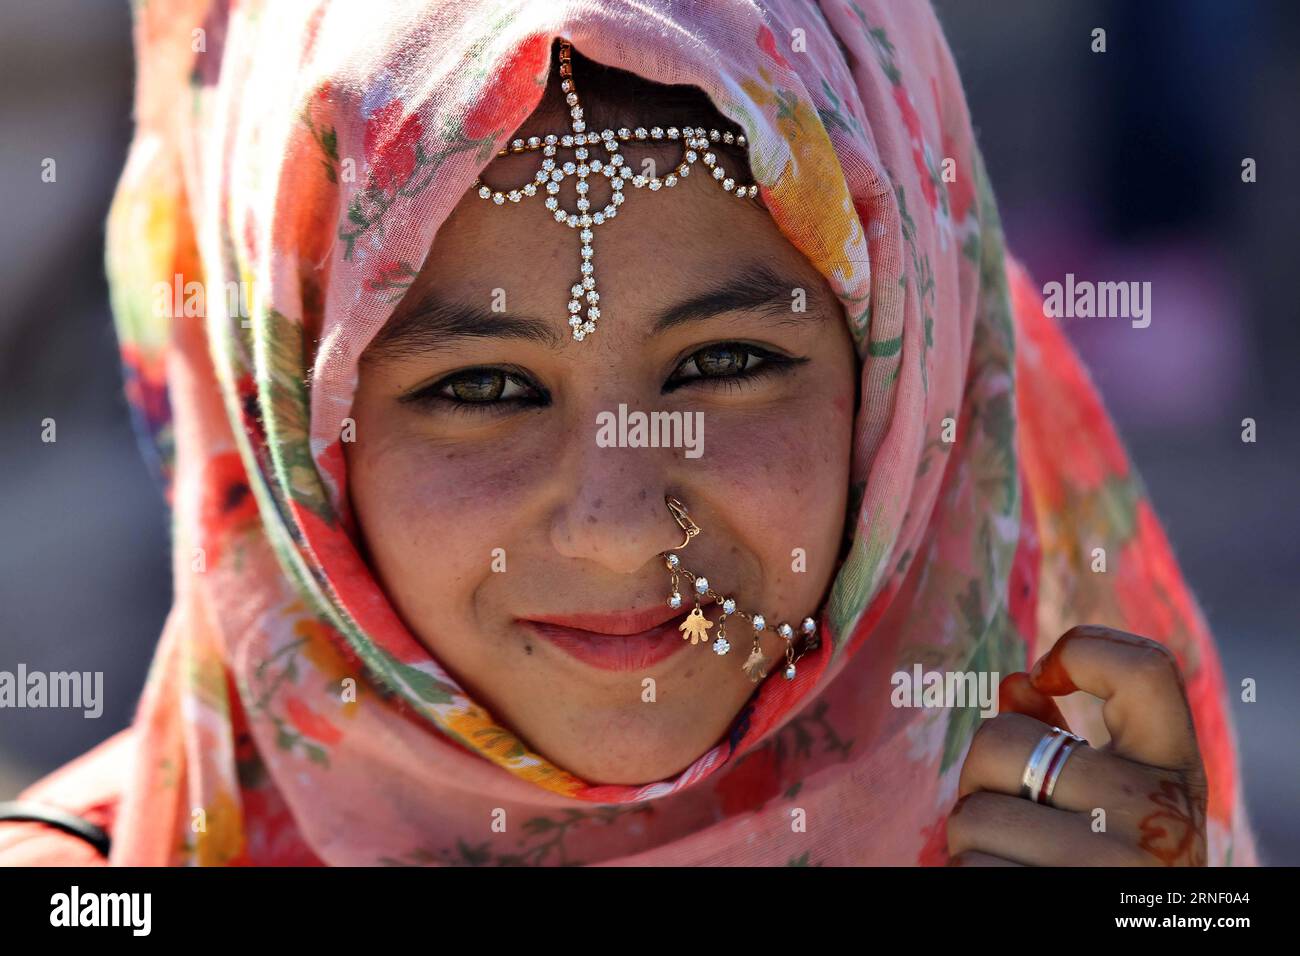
(613, 513)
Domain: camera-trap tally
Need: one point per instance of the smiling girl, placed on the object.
(423, 616)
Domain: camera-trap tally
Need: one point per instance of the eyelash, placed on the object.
(773, 363)
(430, 398)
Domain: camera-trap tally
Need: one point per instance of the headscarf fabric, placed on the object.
(296, 161)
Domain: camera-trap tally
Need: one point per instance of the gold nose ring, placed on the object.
(683, 519)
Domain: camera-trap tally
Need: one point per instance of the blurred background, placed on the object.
(1115, 166)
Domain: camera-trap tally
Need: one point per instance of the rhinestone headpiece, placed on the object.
(695, 146)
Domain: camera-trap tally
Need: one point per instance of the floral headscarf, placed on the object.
(306, 154)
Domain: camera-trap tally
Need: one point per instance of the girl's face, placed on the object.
(524, 553)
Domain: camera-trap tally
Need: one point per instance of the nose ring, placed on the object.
(683, 519)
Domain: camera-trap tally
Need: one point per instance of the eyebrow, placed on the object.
(434, 322)
(755, 288)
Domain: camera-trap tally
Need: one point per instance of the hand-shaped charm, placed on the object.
(696, 626)
(755, 666)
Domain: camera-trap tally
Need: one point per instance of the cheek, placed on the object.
(781, 480)
(791, 456)
(432, 512)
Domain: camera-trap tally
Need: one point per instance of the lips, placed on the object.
(616, 641)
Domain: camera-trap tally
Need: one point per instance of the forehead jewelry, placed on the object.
(695, 142)
(696, 627)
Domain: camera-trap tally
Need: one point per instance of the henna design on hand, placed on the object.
(1175, 833)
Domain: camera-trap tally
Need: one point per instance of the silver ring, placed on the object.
(1055, 767)
(1034, 782)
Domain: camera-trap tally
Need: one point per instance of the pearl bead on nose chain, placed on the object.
(695, 147)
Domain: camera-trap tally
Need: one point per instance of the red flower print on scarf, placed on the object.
(927, 181)
(228, 502)
(910, 118)
(935, 850)
(272, 837)
(961, 191)
(913, 123)
(309, 723)
(393, 279)
(391, 144)
(767, 43)
(504, 99)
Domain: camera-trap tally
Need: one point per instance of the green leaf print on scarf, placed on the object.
(327, 138)
(801, 728)
(544, 836)
(834, 118)
(997, 650)
(282, 387)
(369, 204)
(856, 580)
(425, 686)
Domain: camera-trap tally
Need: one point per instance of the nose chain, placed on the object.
(696, 627)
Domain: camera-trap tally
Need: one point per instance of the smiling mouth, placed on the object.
(619, 641)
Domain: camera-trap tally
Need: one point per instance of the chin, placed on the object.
(632, 749)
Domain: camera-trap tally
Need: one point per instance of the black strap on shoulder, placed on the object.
(27, 811)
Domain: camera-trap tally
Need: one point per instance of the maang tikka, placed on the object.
(696, 627)
(695, 142)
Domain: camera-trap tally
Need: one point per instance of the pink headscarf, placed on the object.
(253, 117)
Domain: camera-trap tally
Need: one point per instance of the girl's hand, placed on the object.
(1148, 779)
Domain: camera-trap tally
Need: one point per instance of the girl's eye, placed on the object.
(482, 385)
(479, 389)
(728, 361)
(722, 360)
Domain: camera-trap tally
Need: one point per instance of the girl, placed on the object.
(424, 615)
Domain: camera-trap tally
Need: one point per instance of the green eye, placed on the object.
(478, 385)
(722, 360)
(480, 389)
(729, 364)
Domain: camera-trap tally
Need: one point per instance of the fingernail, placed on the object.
(1049, 677)
(1007, 691)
